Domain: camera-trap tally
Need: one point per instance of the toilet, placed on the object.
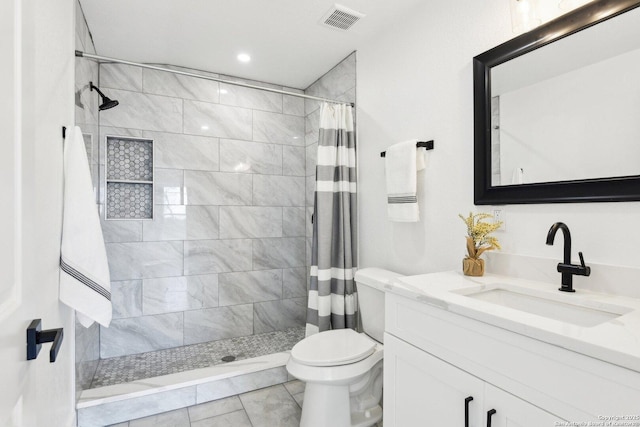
(342, 368)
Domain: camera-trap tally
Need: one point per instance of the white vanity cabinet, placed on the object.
(435, 359)
(422, 390)
(513, 412)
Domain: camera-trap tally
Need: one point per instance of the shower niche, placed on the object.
(129, 178)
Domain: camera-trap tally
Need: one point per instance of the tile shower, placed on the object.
(225, 256)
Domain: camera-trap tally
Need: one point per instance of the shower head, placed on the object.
(106, 101)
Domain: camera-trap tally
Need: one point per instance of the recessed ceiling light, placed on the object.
(223, 91)
(204, 127)
(243, 57)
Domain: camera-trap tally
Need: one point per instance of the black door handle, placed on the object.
(36, 336)
(466, 410)
(489, 414)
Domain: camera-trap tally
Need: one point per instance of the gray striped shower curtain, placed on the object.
(333, 301)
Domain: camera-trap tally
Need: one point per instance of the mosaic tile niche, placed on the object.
(129, 165)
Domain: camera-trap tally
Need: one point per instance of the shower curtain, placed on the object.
(333, 302)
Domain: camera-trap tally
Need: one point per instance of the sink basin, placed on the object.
(599, 325)
(565, 308)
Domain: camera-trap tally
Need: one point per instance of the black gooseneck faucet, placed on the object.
(566, 268)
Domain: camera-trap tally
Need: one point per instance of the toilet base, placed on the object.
(331, 408)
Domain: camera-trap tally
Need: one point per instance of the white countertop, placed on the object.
(615, 341)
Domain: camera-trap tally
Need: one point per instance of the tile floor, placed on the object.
(276, 406)
(118, 370)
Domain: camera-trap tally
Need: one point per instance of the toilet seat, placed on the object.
(333, 348)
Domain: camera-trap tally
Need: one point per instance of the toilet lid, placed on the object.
(333, 348)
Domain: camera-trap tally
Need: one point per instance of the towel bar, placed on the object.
(426, 144)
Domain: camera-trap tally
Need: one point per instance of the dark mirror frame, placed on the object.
(625, 188)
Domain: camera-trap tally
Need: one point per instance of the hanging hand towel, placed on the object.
(402, 162)
(84, 271)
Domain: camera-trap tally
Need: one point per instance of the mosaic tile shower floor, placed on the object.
(118, 370)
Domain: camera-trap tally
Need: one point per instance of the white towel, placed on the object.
(84, 271)
(402, 163)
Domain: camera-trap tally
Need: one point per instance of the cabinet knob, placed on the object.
(466, 410)
(489, 415)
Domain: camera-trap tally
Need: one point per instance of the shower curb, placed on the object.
(113, 404)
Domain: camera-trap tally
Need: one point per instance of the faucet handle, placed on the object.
(587, 270)
(581, 259)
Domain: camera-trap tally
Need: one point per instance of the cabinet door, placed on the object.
(422, 390)
(514, 412)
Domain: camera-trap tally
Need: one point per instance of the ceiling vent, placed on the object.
(341, 17)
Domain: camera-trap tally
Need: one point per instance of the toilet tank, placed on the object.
(370, 284)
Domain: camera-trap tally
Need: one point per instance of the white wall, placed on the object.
(416, 81)
(47, 105)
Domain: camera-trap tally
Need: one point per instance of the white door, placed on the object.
(14, 374)
(33, 393)
(422, 390)
(511, 411)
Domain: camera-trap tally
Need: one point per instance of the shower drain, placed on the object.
(228, 358)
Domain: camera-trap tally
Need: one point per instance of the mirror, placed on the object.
(557, 110)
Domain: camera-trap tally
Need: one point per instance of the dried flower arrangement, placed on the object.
(479, 240)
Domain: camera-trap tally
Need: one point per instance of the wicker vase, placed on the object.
(473, 266)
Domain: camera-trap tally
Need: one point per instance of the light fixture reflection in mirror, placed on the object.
(524, 15)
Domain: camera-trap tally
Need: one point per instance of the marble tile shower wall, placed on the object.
(338, 83)
(225, 254)
(87, 351)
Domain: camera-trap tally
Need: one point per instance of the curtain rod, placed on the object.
(200, 76)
